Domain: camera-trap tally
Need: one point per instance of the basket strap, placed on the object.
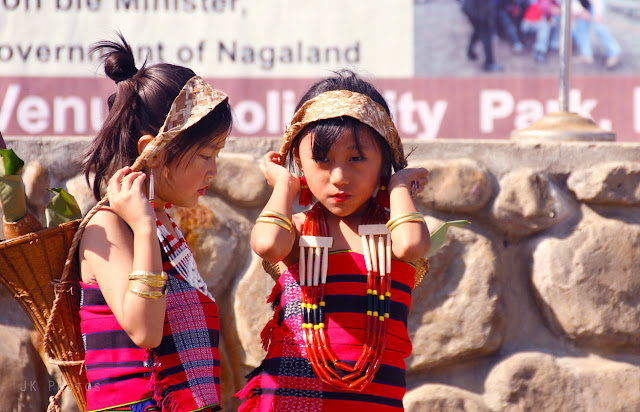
(53, 400)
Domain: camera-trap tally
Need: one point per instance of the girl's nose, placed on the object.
(338, 176)
(213, 169)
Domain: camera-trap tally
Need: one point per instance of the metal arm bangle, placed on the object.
(406, 220)
(275, 221)
(404, 215)
(150, 278)
(273, 213)
(147, 294)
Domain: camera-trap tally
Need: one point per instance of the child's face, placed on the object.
(182, 183)
(345, 180)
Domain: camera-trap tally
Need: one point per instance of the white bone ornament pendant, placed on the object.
(314, 260)
(377, 259)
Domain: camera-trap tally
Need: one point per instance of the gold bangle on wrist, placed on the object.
(404, 215)
(273, 213)
(405, 220)
(150, 278)
(147, 294)
(275, 221)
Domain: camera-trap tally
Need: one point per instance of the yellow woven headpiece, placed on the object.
(196, 99)
(338, 103)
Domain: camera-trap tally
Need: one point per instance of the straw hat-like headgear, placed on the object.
(196, 99)
(338, 103)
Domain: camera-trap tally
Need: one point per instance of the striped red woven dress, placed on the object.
(183, 372)
(285, 381)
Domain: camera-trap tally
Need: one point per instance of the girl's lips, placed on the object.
(340, 197)
(203, 190)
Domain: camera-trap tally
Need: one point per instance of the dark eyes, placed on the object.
(352, 159)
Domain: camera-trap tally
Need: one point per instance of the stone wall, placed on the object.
(535, 306)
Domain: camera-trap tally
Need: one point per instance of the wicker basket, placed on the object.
(31, 267)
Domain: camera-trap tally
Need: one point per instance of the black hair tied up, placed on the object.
(119, 63)
(138, 107)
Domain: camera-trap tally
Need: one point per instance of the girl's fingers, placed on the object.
(118, 175)
(127, 181)
(138, 183)
(275, 158)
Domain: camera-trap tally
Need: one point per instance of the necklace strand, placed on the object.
(323, 359)
(181, 256)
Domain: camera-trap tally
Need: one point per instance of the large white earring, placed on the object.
(152, 194)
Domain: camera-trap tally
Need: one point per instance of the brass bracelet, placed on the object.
(404, 215)
(150, 278)
(151, 294)
(406, 220)
(275, 221)
(273, 213)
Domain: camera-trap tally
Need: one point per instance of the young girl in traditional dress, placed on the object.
(338, 338)
(149, 324)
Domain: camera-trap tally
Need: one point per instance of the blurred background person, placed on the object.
(509, 15)
(542, 19)
(592, 14)
(482, 16)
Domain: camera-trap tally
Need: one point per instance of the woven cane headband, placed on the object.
(337, 103)
(196, 99)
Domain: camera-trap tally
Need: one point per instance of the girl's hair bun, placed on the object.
(119, 63)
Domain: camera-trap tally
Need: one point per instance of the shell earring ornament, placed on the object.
(152, 194)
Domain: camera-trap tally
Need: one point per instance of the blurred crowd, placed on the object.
(534, 26)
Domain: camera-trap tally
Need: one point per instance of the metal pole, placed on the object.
(563, 125)
(565, 55)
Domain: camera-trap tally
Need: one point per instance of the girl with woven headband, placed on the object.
(344, 269)
(150, 325)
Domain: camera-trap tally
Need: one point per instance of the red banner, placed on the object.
(424, 108)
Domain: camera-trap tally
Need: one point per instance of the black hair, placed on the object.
(326, 132)
(139, 106)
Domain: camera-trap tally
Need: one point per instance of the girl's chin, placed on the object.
(339, 209)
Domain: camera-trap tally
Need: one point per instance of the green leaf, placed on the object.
(62, 208)
(12, 197)
(11, 164)
(440, 236)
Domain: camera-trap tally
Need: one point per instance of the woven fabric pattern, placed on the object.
(337, 103)
(196, 99)
(286, 381)
(185, 367)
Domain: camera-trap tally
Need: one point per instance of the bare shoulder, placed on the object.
(106, 224)
(298, 221)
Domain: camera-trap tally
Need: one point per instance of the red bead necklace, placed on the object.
(323, 359)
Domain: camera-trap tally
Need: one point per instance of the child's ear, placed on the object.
(142, 143)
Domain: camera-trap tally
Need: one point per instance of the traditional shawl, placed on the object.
(185, 368)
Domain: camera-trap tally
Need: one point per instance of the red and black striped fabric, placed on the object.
(182, 374)
(285, 381)
(117, 369)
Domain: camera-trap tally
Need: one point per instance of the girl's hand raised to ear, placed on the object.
(127, 197)
(272, 170)
(413, 179)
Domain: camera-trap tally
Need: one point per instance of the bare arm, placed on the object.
(117, 241)
(409, 241)
(271, 242)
